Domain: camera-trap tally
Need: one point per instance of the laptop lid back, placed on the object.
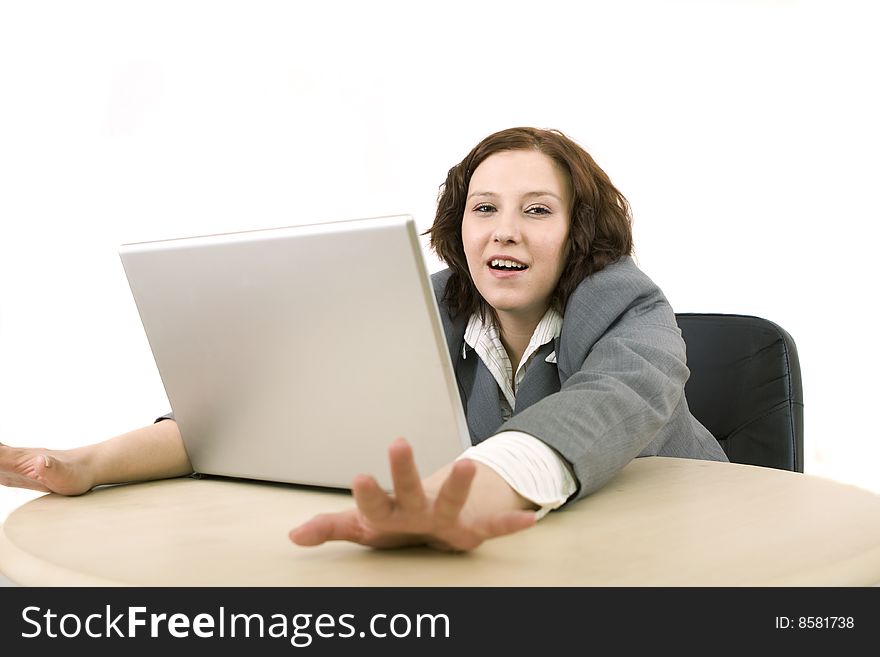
(298, 354)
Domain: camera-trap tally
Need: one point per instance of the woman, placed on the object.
(568, 357)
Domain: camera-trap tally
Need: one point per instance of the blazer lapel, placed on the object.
(541, 379)
(480, 392)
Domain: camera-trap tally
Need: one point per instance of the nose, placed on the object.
(506, 228)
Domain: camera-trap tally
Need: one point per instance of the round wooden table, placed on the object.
(660, 522)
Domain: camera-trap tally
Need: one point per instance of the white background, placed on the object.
(745, 135)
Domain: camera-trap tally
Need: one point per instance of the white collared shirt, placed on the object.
(531, 467)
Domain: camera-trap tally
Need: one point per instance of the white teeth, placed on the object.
(509, 264)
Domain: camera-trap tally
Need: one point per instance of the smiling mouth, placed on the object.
(507, 265)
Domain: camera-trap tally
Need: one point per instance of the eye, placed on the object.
(484, 208)
(538, 210)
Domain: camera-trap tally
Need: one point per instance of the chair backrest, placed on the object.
(745, 387)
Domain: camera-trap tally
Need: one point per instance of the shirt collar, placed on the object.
(549, 328)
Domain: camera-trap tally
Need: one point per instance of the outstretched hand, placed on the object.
(412, 515)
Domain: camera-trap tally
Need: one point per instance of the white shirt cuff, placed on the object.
(529, 466)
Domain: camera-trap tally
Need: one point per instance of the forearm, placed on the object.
(152, 452)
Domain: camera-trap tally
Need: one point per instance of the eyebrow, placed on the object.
(526, 195)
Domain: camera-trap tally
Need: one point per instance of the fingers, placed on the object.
(343, 526)
(454, 492)
(408, 489)
(374, 503)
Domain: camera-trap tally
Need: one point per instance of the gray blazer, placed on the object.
(616, 391)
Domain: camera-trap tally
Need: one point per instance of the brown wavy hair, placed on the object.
(601, 222)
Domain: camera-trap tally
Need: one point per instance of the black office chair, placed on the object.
(745, 387)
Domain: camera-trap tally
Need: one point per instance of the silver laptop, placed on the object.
(298, 354)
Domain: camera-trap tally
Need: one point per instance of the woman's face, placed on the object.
(517, 212)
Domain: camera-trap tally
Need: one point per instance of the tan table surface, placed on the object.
(660, 522)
